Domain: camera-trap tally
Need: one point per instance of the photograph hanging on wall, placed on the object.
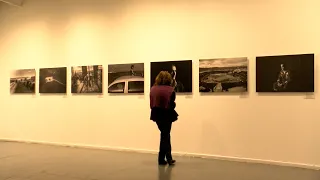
(53, 80)
(181, 72)
(126, 78)
(23, 81)
(223, 75)
(86, 79)
(286, 73)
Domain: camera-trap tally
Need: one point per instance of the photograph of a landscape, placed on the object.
(223, 75)
(126, 78)
(53, 80)
(285, 73)
(86, 79)
(23, 81)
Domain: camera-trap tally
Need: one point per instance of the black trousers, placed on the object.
(165, 141)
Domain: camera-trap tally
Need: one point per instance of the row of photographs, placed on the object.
(285, 73)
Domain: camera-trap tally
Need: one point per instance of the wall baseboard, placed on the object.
(181, 154)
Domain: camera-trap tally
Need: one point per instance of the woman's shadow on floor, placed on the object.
(164, 172)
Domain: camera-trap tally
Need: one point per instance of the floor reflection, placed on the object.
(164, 172)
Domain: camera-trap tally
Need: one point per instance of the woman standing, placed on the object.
(162, 105)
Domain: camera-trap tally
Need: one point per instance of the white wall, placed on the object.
(12, 2)
(48, 33)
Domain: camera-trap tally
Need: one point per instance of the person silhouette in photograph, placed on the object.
(283, 79)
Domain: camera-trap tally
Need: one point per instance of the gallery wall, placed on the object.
(270, 127)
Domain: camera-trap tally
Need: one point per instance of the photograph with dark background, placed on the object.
(86, 79)
(53, 80)
(286, 73)
(223, 75)
(181, 72)
(23, 81)
(126, 78)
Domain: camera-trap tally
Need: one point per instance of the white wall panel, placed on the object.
(48, 33)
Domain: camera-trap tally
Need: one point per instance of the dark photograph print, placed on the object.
(86, 79)
(53, 80)
(23, 81)
(223, 75)
(287, 73)
(181, 72)
(126, 78)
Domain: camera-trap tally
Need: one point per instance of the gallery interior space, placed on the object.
(76, 124)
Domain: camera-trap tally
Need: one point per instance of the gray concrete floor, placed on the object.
(19, 161)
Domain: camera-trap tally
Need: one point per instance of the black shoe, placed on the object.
(162, 163)
(172, 162)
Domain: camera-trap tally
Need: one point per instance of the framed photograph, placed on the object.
(23, 81)
(86, 79)
(286, 73)
(223, 75)
(53, 80)
(181, 72)
(126, 78)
